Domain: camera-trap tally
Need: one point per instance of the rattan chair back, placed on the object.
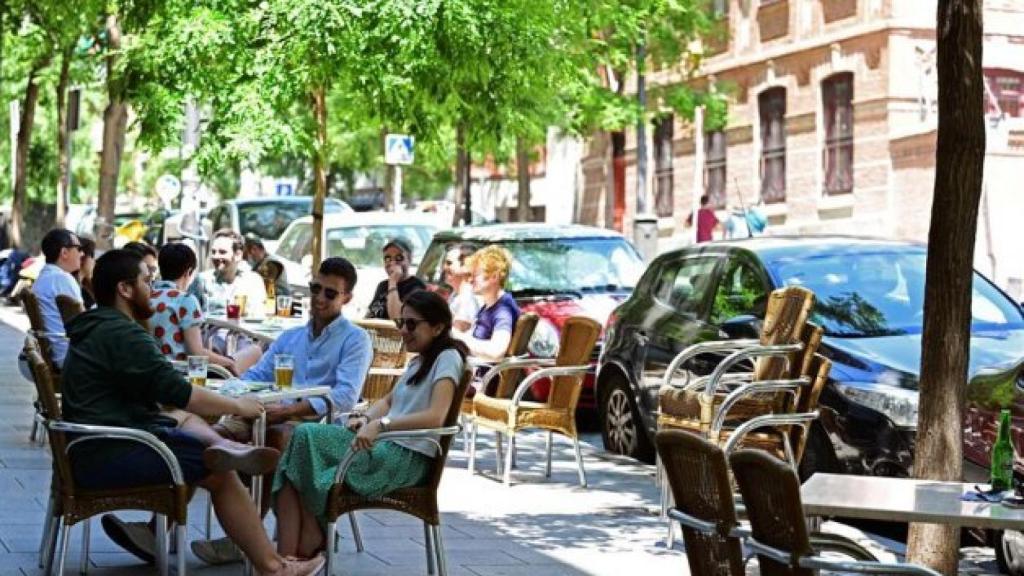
(786, 316)
(579, 336)
(450, 419)
(508, 380)
(69, 307)
(771, 494)
(30, 303)
(388, 353)
(807, 401)
(699, 479)
(49, 408)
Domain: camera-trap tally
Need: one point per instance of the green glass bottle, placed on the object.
(1002, 455)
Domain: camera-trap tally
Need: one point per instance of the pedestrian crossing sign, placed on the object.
(398, 149)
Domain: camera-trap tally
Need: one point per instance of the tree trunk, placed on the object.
(461, 174)
(28, 114)
(115, 122)
(62, 137)
(523, 177)
(389, 173)
(960, 158)
(319, 173)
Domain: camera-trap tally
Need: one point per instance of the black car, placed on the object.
(869, 299)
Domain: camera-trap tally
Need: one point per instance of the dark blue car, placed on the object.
(870, 300)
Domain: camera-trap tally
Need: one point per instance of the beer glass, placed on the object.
(197, 370)
(284, 368)
(284, 306)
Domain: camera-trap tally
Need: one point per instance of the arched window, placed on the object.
(837, 107)
(771, 105)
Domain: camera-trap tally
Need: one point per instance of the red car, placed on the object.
(557, 272)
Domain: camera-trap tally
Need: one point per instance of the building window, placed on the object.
(771, 105)
(837, 104)
(1007, 89)
(720, 8)
(714, 167)
(663, 165)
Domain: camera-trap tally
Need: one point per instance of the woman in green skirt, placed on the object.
(421, 399)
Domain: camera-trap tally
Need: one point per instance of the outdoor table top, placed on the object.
(267, 392)
(268, 328)
(904, 500)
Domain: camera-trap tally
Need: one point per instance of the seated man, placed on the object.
(268, 266)
(116, 376)
(462, 301)
(230, 276)
(63, 253)
(328, 351)
(491, 332)
(148, 254)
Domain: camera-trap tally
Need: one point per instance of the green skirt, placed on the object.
(316, 450)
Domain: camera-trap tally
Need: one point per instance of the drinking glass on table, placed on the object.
(233, 311)
(197, 366)
(284, 306)
(240, 300)
(284, 368)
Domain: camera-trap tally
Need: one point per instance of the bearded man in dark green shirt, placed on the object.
(115, 375)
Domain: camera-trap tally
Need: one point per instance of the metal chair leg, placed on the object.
(579, 462)
(442, 557)
(51, 549)
(181, 536)
(356, 534)
(547, 464)
(161, 545)
(209, 517)
(512, 449)
(65, 530)
(49, 526)
(472, 448)
(509, 455)
(427, 539)
(84, 569)
(332, 548)
(499, 453)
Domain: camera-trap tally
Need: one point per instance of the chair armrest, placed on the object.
(43, 334)
(758, 387)
(702, 526)
(820, 563)
(747, 353)
(217, 369)
(730, 378)
(767, 421)
(828, 542)
(702, 348)
(417, 434)
(515, 362)
(90, 432)
(546, 373)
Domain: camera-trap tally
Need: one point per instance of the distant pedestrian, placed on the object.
(707, 222)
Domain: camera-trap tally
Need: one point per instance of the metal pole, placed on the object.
(397, 184)
(698, 167)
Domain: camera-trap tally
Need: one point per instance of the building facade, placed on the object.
(832, 126)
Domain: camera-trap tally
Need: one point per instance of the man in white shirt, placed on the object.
(231, 277)
(63, 253)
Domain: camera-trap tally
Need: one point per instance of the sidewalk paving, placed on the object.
(537, 527)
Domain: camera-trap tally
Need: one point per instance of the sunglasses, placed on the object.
(409, 324)
(75, 246)
(315, 288)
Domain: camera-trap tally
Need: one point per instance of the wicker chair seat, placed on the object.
(495, 413)
(159, 499)
(685, 404)
(418, 501)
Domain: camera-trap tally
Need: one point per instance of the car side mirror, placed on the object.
(741, 327)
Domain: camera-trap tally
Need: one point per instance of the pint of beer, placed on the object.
(284, 368)
(197, 370)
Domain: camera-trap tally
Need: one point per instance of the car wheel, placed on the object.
(819, 455)
(1010, 552)
(622, 429)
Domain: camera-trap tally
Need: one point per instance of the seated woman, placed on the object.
(420, 399)
(177, 319)
(84, 274)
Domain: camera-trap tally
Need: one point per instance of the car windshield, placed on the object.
(269, 219)
(364, 245)
(573, 266)
(882, 293)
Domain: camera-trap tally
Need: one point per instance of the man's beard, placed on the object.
(141, 308)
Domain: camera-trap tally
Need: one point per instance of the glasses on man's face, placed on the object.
(409, 324)
(315, 288)
(75, 246)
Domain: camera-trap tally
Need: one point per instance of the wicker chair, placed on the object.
(388, 358)
(779, 536)
(694, 405)
(508, 376)
(506, 416)
(70, 505)
(418, 501)
(69, 307)
(30, 303)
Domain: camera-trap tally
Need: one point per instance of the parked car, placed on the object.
(870, 301)
(358, 236)
(266, 217)
(557, 272)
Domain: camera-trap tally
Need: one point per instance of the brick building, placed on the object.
(832, 125)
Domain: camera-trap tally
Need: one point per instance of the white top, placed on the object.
(409, 398)
(53, 281)
(220, 293)
(464, 304)
(904, 500)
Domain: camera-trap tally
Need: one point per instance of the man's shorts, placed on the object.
(141, 465)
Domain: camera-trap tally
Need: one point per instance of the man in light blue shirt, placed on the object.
(63, 253)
